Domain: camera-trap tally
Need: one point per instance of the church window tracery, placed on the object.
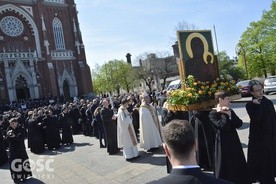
(58, 34)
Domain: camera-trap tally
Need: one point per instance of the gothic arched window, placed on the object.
(58, 34)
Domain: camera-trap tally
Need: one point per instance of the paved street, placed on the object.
(84, 162)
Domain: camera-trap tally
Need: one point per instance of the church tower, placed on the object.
(41, 50)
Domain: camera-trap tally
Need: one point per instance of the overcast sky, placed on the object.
(112, 28)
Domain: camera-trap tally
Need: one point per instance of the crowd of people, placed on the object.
(124, 121)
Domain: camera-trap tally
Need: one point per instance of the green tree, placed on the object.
(227, 67)
(113, 76)
(259, 43)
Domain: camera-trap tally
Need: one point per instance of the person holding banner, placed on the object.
(261, 155)
(230, 163)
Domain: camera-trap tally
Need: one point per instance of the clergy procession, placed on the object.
(53, 126)
(133, 124)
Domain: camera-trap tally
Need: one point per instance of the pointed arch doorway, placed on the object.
(21, 88)
(66, 90)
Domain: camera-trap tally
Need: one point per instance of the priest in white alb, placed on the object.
(150, 127)
(126, 136)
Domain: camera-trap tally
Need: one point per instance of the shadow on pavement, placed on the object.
(5, 166)
(67, 148)
(160, 161)
(34, 181)
(50, 152)
(71, 147)
(82, 144)
(156, 157)
(64, 149)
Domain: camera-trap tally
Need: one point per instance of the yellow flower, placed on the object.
(196, 91)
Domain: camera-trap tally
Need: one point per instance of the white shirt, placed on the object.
(185, 166)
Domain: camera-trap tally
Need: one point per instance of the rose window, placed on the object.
(11, 26)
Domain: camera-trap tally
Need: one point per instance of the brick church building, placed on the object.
(41, 50)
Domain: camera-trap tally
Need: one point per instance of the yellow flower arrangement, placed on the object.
(197, 91)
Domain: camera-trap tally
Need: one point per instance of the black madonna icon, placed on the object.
(197, 56)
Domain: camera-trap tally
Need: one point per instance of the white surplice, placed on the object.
(126, 137)
(150, 127)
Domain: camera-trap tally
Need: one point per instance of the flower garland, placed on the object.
(197, 91)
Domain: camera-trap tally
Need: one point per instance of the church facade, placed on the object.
(41, 50)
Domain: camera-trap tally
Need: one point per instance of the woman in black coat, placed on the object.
(98, 122)
(230, 163)
(19, 164)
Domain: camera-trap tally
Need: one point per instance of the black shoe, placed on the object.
(130, 159)
(23, 180)
(133, 158)
(16, 181)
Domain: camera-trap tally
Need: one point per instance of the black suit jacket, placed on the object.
(189, 176)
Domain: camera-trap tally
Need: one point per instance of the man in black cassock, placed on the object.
(19, 164)
(205, 135)
(262, 136)
(74, 112)
(35, 138)
(52, 130)
(110, 126)
(3, 153)
(229, 161)
(65, 123)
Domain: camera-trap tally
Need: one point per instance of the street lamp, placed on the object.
(240, 50)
